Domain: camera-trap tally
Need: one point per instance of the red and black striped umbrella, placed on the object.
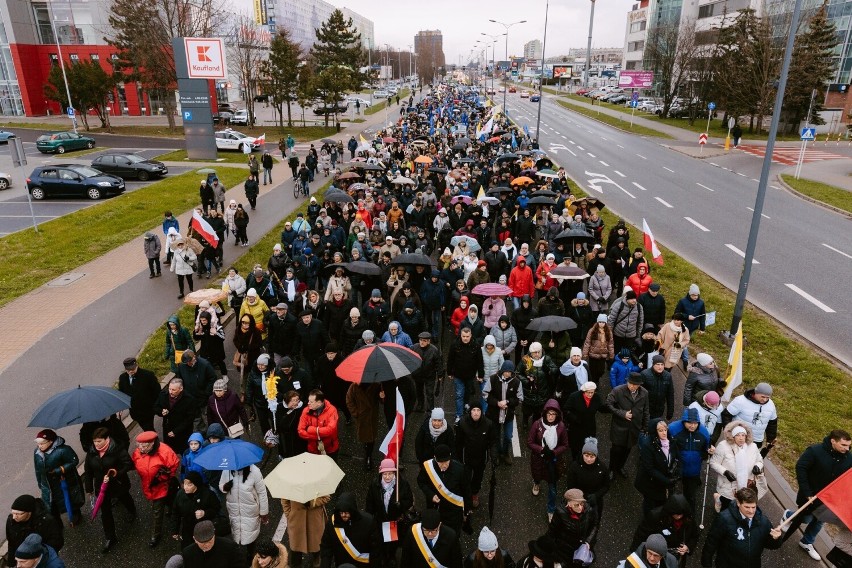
(378, 363)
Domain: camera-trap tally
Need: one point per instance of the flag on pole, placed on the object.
(204, 229)
(835, 496)
(651, 244)
(261, 139)
(392, 444)
(389, 531)
(514, 141)
(735, 365)
(526, 130)
(486, 130)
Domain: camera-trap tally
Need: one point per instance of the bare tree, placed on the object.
(671, 51)
(248, 48)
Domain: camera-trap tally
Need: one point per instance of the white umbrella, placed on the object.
(402, 180)
(304, 477)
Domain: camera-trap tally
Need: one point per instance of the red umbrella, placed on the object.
(491, 289)
(378, 363)
(102, 493)
(388, 139)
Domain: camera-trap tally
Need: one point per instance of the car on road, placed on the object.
(582, 91)
(240, 117)
(72, 180)
(5, 180)
(232, 140)
(61, 142)
(126, 166)
(535, 98)
(513, 90)
(525, 94)
(381, 94)
(5, 136)
(364, 102)
(490, 91)
(340, 106)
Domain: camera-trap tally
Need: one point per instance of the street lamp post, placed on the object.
(493, 54)
(589, 46)
(62, 66)
(507, 26)
(410, 48)
(541, 70)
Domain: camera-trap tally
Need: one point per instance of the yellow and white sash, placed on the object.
(362, 557)
(443, 490)
(635, 561)
(417, 532)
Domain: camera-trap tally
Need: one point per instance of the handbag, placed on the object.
(234, 431)
(584, 555)
(178, 353)
(270, 439)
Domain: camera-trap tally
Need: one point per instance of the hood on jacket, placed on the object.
(197, 437)
(489, 340)
(551, 404)
(346, 503)
(677, 505)
(399, 330)
(733, 424)
(506, 319)
(652, 425)
(526, 298)
(216, 430)
(465, 299)
(173, 319)
(690, 415)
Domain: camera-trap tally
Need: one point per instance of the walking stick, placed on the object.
(704, 500)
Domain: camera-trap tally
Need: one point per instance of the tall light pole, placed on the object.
(493, 54)
(507, 26)
(589, 46)
(62, 66)
(410, 51)
(541, 70)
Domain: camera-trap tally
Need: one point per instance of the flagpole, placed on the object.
(786, 522)
(397, 464)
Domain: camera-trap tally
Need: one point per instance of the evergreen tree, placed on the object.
(281, 73)
(90, 86)
(338, 57)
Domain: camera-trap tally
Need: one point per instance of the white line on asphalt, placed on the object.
(774, 187)
(757, 180)
(572, 142)
(669, 169)
(602, 138)
(739, 174)
(704, 186)
(697, 224)
(837, 251)
(739, 252)
(604, 164)
(762, 215)
(555, 132)
(809, 298)
(619, 173)
(572, 152)
(591, 155)
(516, 442)
(666, 203)
(564, 137)
(713, 164)
(639, 186)
(580, 148)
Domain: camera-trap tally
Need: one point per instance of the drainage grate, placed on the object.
(66, 279)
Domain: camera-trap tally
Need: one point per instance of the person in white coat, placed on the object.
(182, 264)
(247, 505)
(737, 463)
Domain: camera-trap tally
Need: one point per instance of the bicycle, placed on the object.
(299, 189)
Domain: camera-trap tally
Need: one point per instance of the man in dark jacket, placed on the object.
(431, 543)
(432, 294)
(311, 337)
(291, 377)
(653, 306)
(475, 436)
(674, 521)
(431, 369)
(658, 383)
(739, 534)
(819, 465)
(211, 551)
(465, 365)
(179, 410)
(349, 535)
(198, 377)
(629, 407)
(30, 516)
(504, 393)
(575, 522)
(445, 486)
(496, 263)
(143, 388)
(281, 332)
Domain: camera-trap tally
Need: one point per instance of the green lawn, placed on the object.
(377, 106)
(840, 198)
(622, 124)
(84, 235)
(224, 157)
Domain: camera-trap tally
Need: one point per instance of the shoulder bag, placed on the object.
(234, 431)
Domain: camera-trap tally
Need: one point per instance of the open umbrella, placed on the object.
(523, 153)
(543, 164)
(522, 180)
(338, 197)
(457, 174)
(423, 160)
(304, 477)
(543, 193)
(466, 160)
(368, 167)
(472, 244)
(328, 141)
(492, 289)
(507, 157)
(413, 259)
(229, 455)
(363, 267)
(459, 146)
(563, 272)
(388, 139)
(547, 173)
(463, 140)
(551, 323)
(419, 143)
(349, 175)
(500, 189)
(498, 132)
(541, 200)
(438, 170)
(590, 201)
(571, 236)
(402, 180)
(494, 139)
(378, 363)
(205, 171)
(76, 406)
(461, 199)
(330, 268)
(212, 295)
(358, 186)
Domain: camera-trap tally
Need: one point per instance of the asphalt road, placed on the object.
(703, 212)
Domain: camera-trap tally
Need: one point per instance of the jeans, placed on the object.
(551, 489)
(517, 302)
(483, 399)
(504, 440)
(810, 532)
(685, 356)
(461, 399)
(306, 188)
(267, 174)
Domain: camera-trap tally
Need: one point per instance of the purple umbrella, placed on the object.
(492, 289)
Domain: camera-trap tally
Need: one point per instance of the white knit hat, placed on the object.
(487, 540)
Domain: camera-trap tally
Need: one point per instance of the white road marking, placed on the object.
(836, 250)
(602, 138)
(619, 173)
(713, 164)
(697, 224)
(641, 156)
(666, 203)
(516, 442)
(572, 142)
(620, 146)
(739, 252)
(580, 148)
(564, 137)
(596, 179)
(668, 169)
(639, 186)
(762, 215)
(743, 175)
(572, 152)
(774, 187)
(555, 132)
(757, 180)
(704, 186)
(604, 164)
(809, 298)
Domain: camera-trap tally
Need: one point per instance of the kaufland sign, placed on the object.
(205, 58)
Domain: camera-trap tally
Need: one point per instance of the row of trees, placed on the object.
(739, 66)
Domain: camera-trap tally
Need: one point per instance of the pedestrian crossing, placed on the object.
(790, 155)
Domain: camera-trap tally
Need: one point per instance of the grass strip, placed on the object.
(223, 157)
(79, 237)
(617, 122)
(376, 107)
(151, 355)
(840, 198)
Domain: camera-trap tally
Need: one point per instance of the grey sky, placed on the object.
(462, 21)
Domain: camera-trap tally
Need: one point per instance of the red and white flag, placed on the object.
(204, 229)
(389, 531)
(651, 244)
(261, 139)
(835, 496)
(392, 443)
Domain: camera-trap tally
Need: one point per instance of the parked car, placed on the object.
(490, 91)
(618, 99)
(340, 106)
(5, 136)
(364, 102)
(582, 90)
(129, 166)
(232, 140)
(262, 98)
(72, 180)
(61, 142)
(240, 117)
(5, 180)
(535, 98)
(381, 94)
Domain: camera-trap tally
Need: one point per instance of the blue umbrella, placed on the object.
(67, 497)
(229, 455)
(79, 405)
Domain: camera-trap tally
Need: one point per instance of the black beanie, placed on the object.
(24, 503)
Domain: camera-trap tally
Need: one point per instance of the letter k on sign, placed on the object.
(202, 53)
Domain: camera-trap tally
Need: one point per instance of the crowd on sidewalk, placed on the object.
(456, 239)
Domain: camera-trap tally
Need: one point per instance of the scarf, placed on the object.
(550, 437)
(664, 444)
(581, 373)
(387, 491)
(744, 465)
(504, 388)
(537, 362)
(437, 431)
(291, 410)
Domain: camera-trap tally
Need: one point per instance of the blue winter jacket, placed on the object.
(619, 372)
(692, 445)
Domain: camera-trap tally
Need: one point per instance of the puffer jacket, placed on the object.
(320, 426)
(246, 502)
(47, 470)
(600, 289)
(155, 469)
(699, 379)
(182, 261)
(491, 363)
(598, 345)
(626, 321)
(505, 339)
(725, 459)
(693, 446)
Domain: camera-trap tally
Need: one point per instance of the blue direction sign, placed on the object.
(634, 103)
(808, 133)
(70, 111)
(711, 105)
(187, 115)
(634, 97)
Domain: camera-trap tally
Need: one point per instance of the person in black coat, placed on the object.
(287, 418)
(311, 336)
(30, 516)
(659, 465)
(143, 388)
(432, 433)
(504, 391)
(660, 387)
(179, 411)
(386, 502)
(117, 432)
(114, 466)
(445, 548)
(210, 551)
(355, 526)
(198, 378)
(674, 521)
(456, 507)
(194, 496)
(739, 534)
(654, 306)
(580, 410)
(590, 475)
(327, 380)
(575, 522)
(280, 332)
(351, 331)
(475, 437)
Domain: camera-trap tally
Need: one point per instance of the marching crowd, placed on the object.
(455, 238)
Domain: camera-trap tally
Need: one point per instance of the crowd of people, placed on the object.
(449, 198)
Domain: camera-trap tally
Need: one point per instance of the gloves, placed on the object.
(756, 470)
(229, 484)
(56, 471)
(730, 476)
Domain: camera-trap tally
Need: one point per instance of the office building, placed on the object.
(532, 49)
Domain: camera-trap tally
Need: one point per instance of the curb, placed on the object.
(822, 204)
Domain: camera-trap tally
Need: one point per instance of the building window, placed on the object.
(636, 46)
(54, 60)
(94, 57)
(74, 58)
(638, 26)
(705, 11)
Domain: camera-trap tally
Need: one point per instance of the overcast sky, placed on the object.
(462, 21)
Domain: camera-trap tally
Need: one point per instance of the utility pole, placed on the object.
(589, 46)
(541, 70)
(507, 26)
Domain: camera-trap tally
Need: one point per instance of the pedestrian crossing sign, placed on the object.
(808, 133)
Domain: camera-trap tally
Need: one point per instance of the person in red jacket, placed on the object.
(318, 424)
(521, 281)
(157, 465)
(640, 280)
(459, 314)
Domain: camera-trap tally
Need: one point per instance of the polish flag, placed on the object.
(651, 244)
(204, 229)
(835, 496)
(261, 139)
(389, 531)
(392, 443)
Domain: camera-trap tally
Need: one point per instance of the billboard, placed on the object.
(636, 79)
(561, 70)
(205, 58)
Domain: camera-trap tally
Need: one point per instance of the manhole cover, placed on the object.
(66, 279)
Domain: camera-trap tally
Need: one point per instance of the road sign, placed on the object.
(187, 116)
(711, 105)
(808, 133)
(70, 111)
(702, 138)
(634, 103)
(635, 96)
(731, 123)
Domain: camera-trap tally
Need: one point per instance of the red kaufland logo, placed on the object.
(202, 53)
(205, 58)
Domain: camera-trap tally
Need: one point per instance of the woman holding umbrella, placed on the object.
(56, 474)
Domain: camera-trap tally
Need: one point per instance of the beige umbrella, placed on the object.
(212, 295)
(304, 477)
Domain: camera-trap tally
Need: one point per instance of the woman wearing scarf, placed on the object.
(211, 335)
(659, 466)
(434, 432)
(599, 348)
(547, 441)
(287, 418)
(737, 463)
(573, 374)
(387, 504)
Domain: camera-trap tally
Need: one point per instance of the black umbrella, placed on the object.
(329, 269)
(459, 146)
(551, 323)
(463, 140)
(363, 267)
(438, 170)
(498, 132)
(337, 197)
(466, 160)
(541, 200)
(328, 141)
(544, 193)
(79, 405)
(571, 236)
(591, 201)
(368, 167)
(414, 259)
(507, 157)
(500, 189)
(524, 153)
(543, 163)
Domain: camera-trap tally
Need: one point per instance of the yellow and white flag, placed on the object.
(735, 365)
